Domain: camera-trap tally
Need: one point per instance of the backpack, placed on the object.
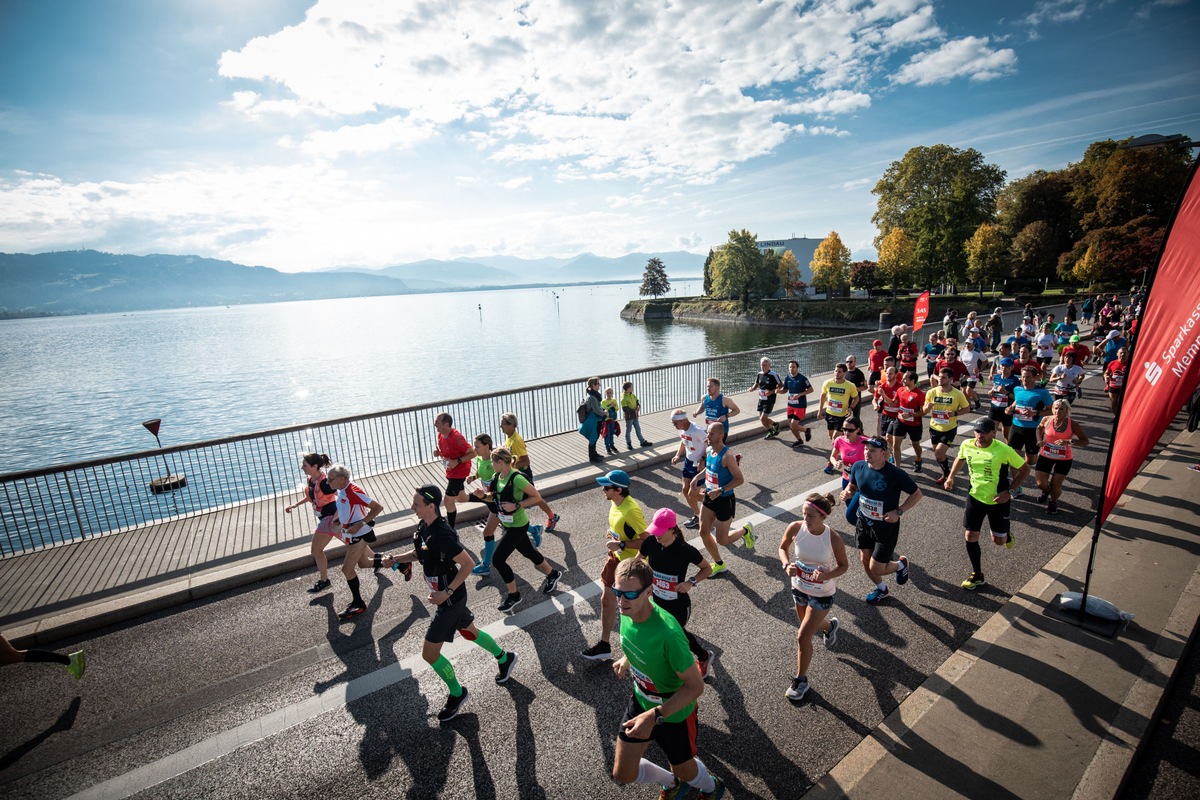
(582, 411)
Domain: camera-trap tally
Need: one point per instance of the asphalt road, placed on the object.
(263, 693)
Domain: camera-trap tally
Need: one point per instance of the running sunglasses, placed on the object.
(628, 595)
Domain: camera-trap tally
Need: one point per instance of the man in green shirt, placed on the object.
(666, 683)
(988, 462)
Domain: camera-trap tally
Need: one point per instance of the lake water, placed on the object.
(79, 387)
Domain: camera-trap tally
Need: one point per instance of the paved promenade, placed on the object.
(1025, 706)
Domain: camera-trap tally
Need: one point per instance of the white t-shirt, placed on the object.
(973, 360)
(1066, 377)
(1047, 344)
(694, 439)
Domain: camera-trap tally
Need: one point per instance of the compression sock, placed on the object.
(486, 641)
(945, 465)
(974, 552)
(353, 584)
(703, 780)
(45, 656)
(445, 671)
(489, 547)
(451, 516)
(653, 773)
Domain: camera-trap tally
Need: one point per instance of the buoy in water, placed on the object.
(168, 484)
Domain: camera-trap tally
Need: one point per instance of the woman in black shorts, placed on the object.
(669, 556)
(1056, 434)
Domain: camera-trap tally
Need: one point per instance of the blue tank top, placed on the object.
(715, 407)
(717, 474)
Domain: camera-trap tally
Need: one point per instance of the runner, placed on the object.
(798, 388)
(875, 357)
(813, 556)
(1114, 379)
(1030, 404)
(973, 359)
(516, 445)
(877, 530)
(631, 409)
(767, 382)
(848, 448)
(512, 493)
(838, 396)
(887, 403)
(716, 407)
(626, 532)
(907, 354)
(324, 502)
(692, 439)
(1047, 347)
(911, 400)
(995, 328)
(950, 361)
(446, 566)
(855, 376)
(669, 556)
(943, 403)
(1025, 359)
(1002, 396)
(666, 684)
(933, 352)
(1066, 378)
(75, 663)
(722, 474)
(455, 453)
(988, 462)
(356, 513)
(484, 472)
(1056, 434)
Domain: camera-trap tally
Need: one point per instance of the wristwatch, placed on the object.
(692, 581)
(659, 719)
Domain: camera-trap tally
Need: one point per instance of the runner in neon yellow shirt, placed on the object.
(837, 397)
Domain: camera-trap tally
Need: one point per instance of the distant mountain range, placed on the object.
(89, 282)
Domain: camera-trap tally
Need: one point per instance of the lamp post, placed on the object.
(169, 482)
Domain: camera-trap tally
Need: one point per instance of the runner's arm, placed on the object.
(1081, 438)
(729, 461)
(733, 408)
(785, 547)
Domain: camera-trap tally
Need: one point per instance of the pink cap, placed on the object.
(664, 520)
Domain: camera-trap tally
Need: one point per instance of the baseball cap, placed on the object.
(876, 442)
(664, 520)
(1075, 338)
(618, 478)
(1113, 334)
(1007, 362)
(877, 341)
(987, 426)
(431, 493)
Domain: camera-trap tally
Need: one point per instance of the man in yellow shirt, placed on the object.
(626, 531)
(943, 403)
(838, 395)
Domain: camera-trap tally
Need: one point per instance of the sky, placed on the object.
(307, 135)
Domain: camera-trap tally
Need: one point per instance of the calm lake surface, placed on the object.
(79, 387)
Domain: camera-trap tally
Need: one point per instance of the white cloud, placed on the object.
(394, 133)
(1056, 11)
(840, 101)
(515, 183)
(857, 183)
(969, 57)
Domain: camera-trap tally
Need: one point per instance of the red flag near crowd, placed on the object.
(1164, 366)
(921, 311)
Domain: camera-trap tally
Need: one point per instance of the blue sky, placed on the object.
(302, 135)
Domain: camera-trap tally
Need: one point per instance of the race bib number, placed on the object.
(891, 410)
(907, 417)
(1024, 412)
(614, 536)
(1117, 380)
(644, 686)
(432, 580)
(446, 465)
(504, 516)
(1055, 450)
(999, 399)
(763, 394)
(794, 399)
(870, 509)
(804, 581)
(941, 417)
(665, 586)
(711, 484)
(836, 406)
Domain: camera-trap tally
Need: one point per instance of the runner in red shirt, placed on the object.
(1026, 359)
(875, 357)
(886, 403)
(949, 360)
(911, 403)
(907, 353)
(1114, 379)
(455, 453)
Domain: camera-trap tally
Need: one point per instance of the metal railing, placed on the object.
(45, 507)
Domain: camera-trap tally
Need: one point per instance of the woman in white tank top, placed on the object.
(813, 555)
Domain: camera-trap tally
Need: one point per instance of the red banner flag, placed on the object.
(921, 311)
(1164, 366)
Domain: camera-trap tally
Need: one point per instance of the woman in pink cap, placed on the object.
(813, 555)
(669, 556)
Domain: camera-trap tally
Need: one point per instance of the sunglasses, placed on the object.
(850, 428)
(631, 595)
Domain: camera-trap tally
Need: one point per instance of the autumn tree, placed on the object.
(987, 256)
(737, 267)
(789, 274)
(939, 195)
(1089, 268)
(1037, 214)
(864, 275)
(654, 279)
(831, 265)
(896, 254)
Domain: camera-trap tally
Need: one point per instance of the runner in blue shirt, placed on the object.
(1030, 404)
(716, 407)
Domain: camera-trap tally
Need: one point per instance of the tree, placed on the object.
(939, 195)
(864, 275)
(737, 267)
(1035, 251)
(768, 277)
(654, 279)
(1037, 214)
(987, 256)
(896, 254)
(708, 273)
(831, 264)
(789, 274)
(1089, 269)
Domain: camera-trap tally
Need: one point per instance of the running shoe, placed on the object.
(775, 428)
(319, 586)
(808, 434)
(716, 794)
(552, 523)
(1052, 507)
(482, 569)
(706, 664)
(1015, 492)
(1009, 541)
(673, 791)
(769, 435)
(1043, 497)
(453, 706)
(535, 533)
(917, 465)
(902, 573)
(876, 595)
(482, 524)
(506, 667)
(718, 568)
(748, 536)
(831, 634)
(829, 470)
(77, 665)
(940, 479)
(797, 443)
(510, 602)
(551, 581)
(798, 689)
(692, 524)
(973, 580)
(600, 651)
(352, 610)
(404, 569)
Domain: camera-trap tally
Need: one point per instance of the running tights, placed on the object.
(516, 538)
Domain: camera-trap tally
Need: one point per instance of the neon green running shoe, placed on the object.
(78, 665)
(748, 536)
